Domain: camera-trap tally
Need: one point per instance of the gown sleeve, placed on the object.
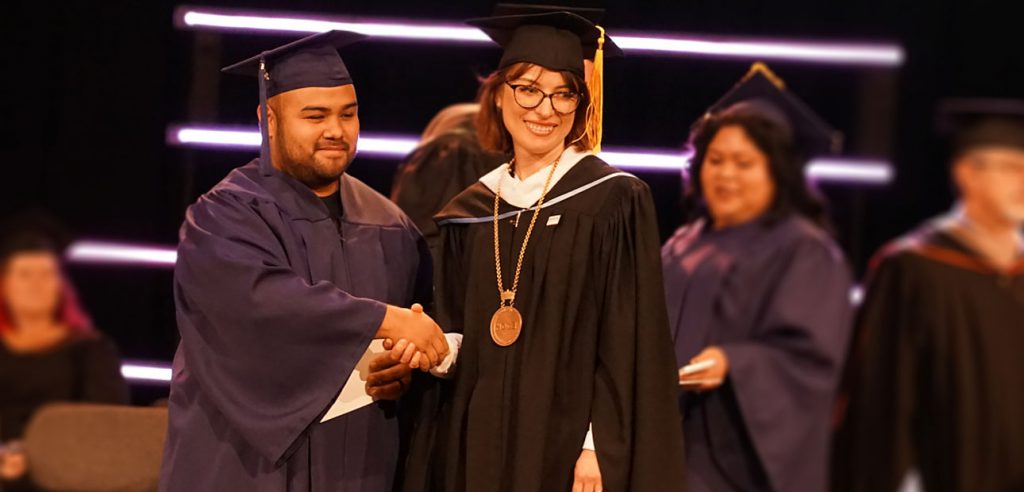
(271, 349)
(790, 365)
(874, 447)
(635, 422)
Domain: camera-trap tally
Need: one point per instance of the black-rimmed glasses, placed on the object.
(529, 97)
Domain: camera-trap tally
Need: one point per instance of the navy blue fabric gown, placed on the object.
(774, 296)
(276, 302)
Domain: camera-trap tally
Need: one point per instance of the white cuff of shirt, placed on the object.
(588, 442)
(446, 369)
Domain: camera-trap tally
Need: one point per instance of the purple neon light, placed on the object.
(159, 373)
(142, 372)
(824, 52)
(101, 252)
(832, 170)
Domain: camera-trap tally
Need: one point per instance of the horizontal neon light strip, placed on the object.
(840, 170)
(834, 53)
(831, 170)
(391, 146)
(160, 373)
(146, 372)
(117, 253)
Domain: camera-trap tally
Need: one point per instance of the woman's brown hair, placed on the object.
(490, 127)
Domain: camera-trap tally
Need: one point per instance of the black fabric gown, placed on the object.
(936, 377)
(595, 345)
(435, 172)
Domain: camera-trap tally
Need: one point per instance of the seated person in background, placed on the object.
(49, 350)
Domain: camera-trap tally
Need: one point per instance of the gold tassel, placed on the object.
(761, 67)
(595, 110)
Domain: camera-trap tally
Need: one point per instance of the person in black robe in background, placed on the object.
(592, 351)
(448, 159)
(936, 377)
(287, 269)
(759, 290)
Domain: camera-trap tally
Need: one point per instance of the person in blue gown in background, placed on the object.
(758, 297)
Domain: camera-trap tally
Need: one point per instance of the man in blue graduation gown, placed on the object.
(287, 270)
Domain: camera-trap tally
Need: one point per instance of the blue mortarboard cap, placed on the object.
(764, 92)
(312, 61)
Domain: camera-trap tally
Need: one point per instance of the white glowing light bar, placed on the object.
(116, 253)
(146, 373)
(369, 143)
(832, 170)
(160, 373)
(386, 146)
(214, 137)
(833, 53)
(865, 171)
(763, 49)
(283, 24)
(646, 160)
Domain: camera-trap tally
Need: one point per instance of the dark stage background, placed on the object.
(89, 88)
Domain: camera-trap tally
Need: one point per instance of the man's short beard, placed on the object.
(304, 168)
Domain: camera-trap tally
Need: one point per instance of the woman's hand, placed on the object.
(587, 476)
(710, 378)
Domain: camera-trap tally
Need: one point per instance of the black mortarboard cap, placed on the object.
(761, 90)
(594, 15)
(553, 40)
(978, 122)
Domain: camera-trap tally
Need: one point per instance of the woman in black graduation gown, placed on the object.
(758, 297)
(48, 349)
(565, 379)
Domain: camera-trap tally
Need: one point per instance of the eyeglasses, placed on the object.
(529, 97)
(1013, 167)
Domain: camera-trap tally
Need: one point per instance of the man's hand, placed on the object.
(418, 330)
(587, 475)
(388, 379)
(13, 464)
(710, 378)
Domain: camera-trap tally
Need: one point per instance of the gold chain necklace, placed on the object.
(507, 323)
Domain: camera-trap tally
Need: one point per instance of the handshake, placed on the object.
(413, 337)
(414, 341)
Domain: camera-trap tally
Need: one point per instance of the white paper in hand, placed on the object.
(353, 396)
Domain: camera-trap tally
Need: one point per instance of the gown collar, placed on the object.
(524, 193)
